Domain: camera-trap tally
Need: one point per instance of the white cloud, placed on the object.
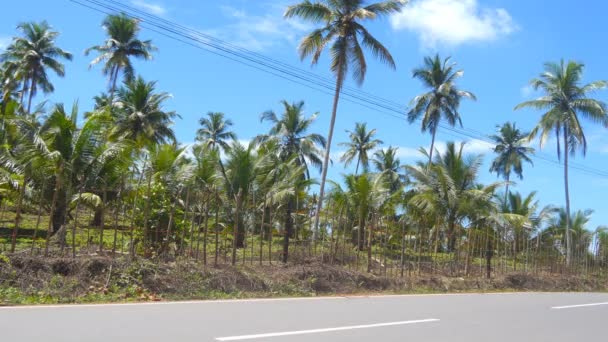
(473, 146)
(453, 22)
(152, 7)
(257, 32)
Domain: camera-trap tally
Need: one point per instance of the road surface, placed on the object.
(518, 317)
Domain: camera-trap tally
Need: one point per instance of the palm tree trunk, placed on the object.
(369, 250)
(217, 224)
(434, 135)
(32, 92)
(235, 230)
(114, 81)
(357, 168)
(132, 229)
(330, 135)
(18, 215)
(23, 90)
(270, 233)
(75, 225)
(205, 233)
(40, 201)
(402, 259)
(147, 210)
(508, 179)
(102, 221)
(262, 231)
(567, 192)
(53, 206)
(288, 230)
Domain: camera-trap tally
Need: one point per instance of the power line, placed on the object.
(288, 72)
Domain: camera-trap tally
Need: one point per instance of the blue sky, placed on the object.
(501, 45)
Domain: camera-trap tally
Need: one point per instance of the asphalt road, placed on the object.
(455, 318)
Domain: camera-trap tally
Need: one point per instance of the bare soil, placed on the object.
(33, 280)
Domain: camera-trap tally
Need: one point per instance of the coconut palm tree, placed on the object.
(290, 130)
(366, 194)
(68, 152)
(564, 103)
(442, 101)
(511, 150)
(33, 54)
(141, 117)
(343, 31)
(215, 133)
(241, 171)
(580, 234)
(361, 143)
(388, 164)
(294, 145)
(121, 45)
(448, 191)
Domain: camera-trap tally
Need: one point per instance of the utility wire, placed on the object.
(288, 72)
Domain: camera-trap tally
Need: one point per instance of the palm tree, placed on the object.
(140, 116)
(447, 191)
(442, 101)
(580, 235)
(565, 102)
(33, 54)
(215, 133)
(361, 143)
(122, 44)
(67, 151)
(344, 31)
(511, 152)
(241, 171)
(293, 144)
(388, 165)
(366, 195)
(290, 131)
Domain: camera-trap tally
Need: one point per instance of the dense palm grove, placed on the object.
(114, 180)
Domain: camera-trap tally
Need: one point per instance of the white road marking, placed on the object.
(578, 306)
(318, 331)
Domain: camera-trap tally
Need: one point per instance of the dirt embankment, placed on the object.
(27, 280)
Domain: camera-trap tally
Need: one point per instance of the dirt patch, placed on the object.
(95, 279)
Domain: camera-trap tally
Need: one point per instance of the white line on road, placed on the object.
(317, 331)
(578, 306)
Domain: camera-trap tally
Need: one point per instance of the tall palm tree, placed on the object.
(442, 101)
(34, 53)
(122, 44)
(140, 116)
(511, 152)
(215, 133)
(343, 29)
(564, 103)
(361, 143)
(294, 145)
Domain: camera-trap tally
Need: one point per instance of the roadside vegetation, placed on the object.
(105, 203)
